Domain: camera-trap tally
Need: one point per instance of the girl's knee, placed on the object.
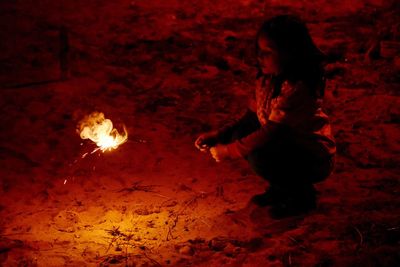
(262, 164)
(323, 170)
(275, 167)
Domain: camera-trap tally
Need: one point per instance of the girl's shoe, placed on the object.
(298, 202)
(269, 197)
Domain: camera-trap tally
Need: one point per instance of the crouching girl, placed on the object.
(284, 135)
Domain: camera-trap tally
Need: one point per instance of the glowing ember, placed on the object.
(100, 130)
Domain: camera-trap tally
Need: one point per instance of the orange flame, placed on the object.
(100, 130)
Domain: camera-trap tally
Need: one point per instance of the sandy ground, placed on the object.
(170, 70)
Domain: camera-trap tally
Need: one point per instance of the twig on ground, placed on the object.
(298, 243)
(360, 234)
(171, 227)
(188, 203)
(151, 259)
(138, 187)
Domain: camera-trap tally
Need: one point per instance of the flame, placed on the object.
(100, 130)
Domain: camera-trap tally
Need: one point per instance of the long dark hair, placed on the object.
(291, 38)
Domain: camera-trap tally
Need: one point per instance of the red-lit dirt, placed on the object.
(170, 70)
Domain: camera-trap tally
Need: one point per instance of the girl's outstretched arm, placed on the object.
(242, 147)
(226, 132)
(291, 107)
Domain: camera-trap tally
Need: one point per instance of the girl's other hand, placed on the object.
(220, 152)
(207, 140)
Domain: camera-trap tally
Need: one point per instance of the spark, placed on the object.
(101, 131)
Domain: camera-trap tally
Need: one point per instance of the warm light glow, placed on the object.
(100, 130)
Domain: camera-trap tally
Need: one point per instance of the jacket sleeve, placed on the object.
(225, 133)
(242, 147)
(287, 110)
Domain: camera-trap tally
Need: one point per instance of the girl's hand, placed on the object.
(206, 140)
(220, 152)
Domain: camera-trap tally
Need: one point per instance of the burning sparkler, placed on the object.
(101, 131)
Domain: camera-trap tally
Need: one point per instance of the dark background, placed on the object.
(170, 70)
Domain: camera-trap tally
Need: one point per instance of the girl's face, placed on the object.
(267, 56)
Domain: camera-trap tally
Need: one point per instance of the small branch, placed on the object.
(151, 259)
(138, 187)
(360, 234)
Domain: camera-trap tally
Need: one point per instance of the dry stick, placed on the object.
(200, 194)
(151, 259)
(298, 243)
(145, 188)
(111, 243)
(361, 236)
(203, 221)
(30, 84)
(157, 194)
(172, 227)
(220, 188)
(117, 234)
(138, 187)
(191, 201)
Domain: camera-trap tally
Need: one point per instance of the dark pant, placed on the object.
(281, 161)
